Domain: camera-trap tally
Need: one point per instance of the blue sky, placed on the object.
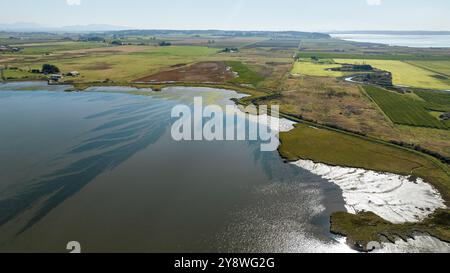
(308, 15)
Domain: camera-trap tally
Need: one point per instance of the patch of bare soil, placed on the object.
(203, 72)
(4, 59)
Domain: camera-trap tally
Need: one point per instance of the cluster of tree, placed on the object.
(445, 116)
(361, 67)
(423, 150)
(50, 69)
(354, 68)
(382, 78)
(90, 38)
(117, 42)
(7, 48)
(230, 50)
(164, 43)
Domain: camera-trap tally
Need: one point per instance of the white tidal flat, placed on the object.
(284, 125)
(420, 244)
(393, 197)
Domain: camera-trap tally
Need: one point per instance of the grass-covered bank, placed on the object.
(337, 148)
(366, 227)
(344, 149)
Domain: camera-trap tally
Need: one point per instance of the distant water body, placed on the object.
(423, 41)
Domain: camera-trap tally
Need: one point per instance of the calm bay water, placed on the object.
(399, 40)
(101, 168)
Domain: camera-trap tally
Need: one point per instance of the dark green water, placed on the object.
(101, 168)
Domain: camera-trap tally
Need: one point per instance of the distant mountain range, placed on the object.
(32, 27)
(215, 32)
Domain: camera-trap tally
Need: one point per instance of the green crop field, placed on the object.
(439, 102)
(403, 109)
(404, 73)
(441, 98)
(316, 69)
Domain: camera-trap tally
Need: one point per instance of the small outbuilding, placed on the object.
(73, 74)
(56, 77)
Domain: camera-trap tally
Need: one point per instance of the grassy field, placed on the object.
(128, 66)
(404, 73)
(18, 74)
(327, 100)
(246, 75)
(335, 148)
(316, 69)
(403, 108)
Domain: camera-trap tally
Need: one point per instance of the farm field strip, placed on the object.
(440, 67)
(439, 98)
(403, 109)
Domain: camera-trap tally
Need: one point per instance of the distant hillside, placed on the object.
(278, 34)
(31, 27)
(126, 31)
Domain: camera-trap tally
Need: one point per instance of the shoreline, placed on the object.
(288, 125)
(380, 38)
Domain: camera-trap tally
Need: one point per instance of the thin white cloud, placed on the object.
(73, 2)
(374, 2)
